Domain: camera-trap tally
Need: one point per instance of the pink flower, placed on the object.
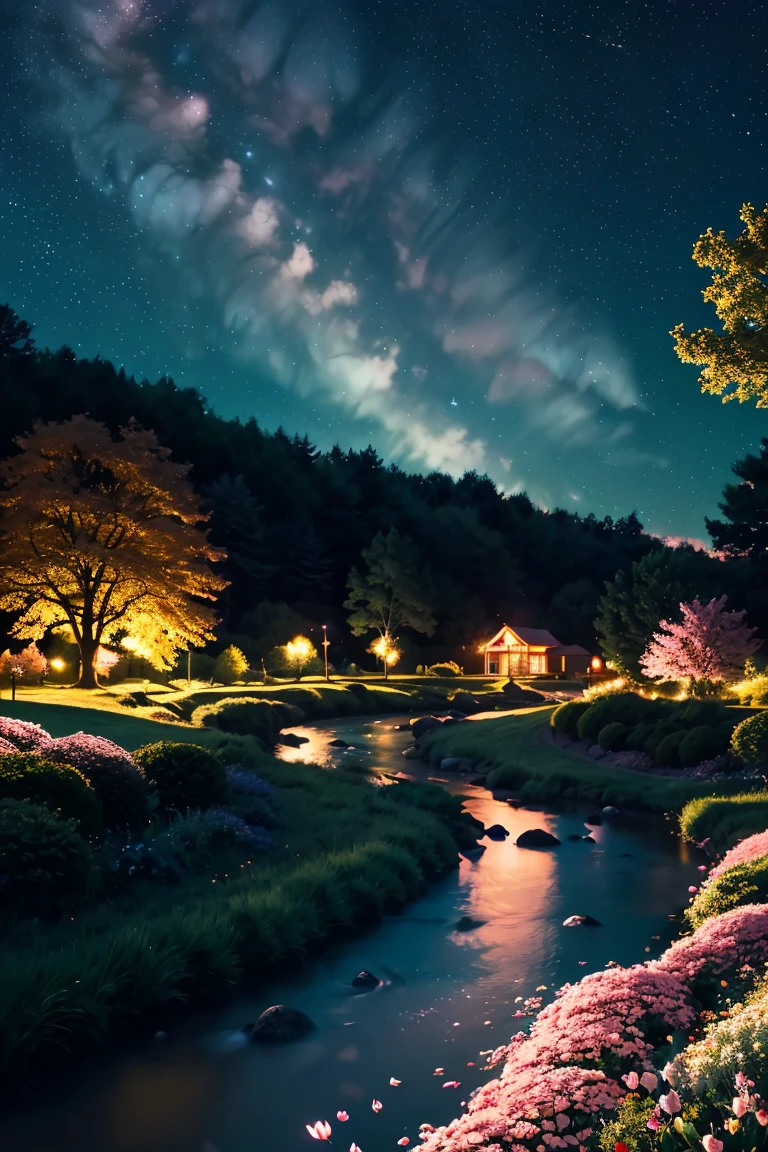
(343, 1116)
(320, 1130)
(668, 1073)
(711, 1143)
(649, 1081)
(377, 1105)
(562, 1121)
(671, 1102)
(653, 1122)
(762, 1118)
(739, 1106)
(404, 1142)
(631, 1080)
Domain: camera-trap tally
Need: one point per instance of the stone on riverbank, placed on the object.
(467, 924)
(424, 724)
(279, 1025)
(581, 922)
(472, 853)
(338, 743)
(537, 838)
(292, 740)
(365, 979)
(497, 832)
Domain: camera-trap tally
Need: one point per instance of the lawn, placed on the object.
(102, 716)
(523, 760)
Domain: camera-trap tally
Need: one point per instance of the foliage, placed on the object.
(618, 707)
(393, 593)
(447, 668)
(200, 836)
(630, 1126)
(59, 787)
(723, 820)
(708, 645)
(111, 773)
(24, 734)
(667, 751)
(102, 537)
(636, 601)
(46, 866)
(184, 775)
(240, 779)
(736, 1044)
(753, 691)
(699, 744)
(613, 737)
(29, 664)
(248, 716)
(750, 740)
(16, 339)
(297, 658)
(734, 363)
(231, 666)
(566, 716)
(744, 530)
(745, 883)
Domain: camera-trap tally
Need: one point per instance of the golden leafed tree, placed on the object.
(734, 363)
(103, 539)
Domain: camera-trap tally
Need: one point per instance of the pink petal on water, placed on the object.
(404, 1142)
(394, 1083)
(451, 1083)
(343, 1116)
(377, 1105)
(438, 1071)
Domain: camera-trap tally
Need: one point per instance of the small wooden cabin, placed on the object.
(532, 652)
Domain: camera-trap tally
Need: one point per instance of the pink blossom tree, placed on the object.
(709, 645)
(29, 664)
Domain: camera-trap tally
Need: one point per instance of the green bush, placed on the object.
(248, 716)
(231, 666)
(617, 707)
(724, 820)
(750, 740)
(58, 787)
(700, 744)
(630, 1126)
(565, 717)
(184, 775)
(448, 668)
(638, 736)
(613, 738)
(668, 749)
(743, 884)
(46, 865)
(697, 713)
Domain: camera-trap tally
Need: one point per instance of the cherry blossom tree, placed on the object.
(709, 645)
(29, 663)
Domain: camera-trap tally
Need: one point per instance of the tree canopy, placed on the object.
(102, 538)
(735, 362)
(707, 646)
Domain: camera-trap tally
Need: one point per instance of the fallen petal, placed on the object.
(343, 1116)
(377, 1105)
(438, 1071)
(394, 1083)
(404, 1142)
(451, 1083)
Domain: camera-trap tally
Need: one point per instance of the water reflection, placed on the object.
(449, 996)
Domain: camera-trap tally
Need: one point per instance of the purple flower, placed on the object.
(240, 779)
(25, 736)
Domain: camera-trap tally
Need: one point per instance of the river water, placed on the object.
(446, 996)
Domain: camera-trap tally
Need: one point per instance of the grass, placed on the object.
(62, 718)
(743, 884)
(725, 819)
(347, 848)
(521, 759)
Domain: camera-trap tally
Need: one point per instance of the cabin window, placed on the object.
(493, 667)
(538, 662)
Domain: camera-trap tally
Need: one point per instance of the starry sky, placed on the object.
(459, 230)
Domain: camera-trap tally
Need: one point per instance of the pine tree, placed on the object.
(237, 524)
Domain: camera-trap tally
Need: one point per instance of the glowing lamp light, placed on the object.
(299, 648)
(393, 656)
(57, 664)
(596, 664)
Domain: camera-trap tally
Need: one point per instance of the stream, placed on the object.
(446, 997)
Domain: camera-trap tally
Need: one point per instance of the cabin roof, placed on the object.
(531, 637)
(569, 650)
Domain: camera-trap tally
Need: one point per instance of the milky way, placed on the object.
(310, 206)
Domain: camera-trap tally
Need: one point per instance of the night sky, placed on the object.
(459, 230)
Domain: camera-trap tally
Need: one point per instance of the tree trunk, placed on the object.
(88, 649)
(386, 667)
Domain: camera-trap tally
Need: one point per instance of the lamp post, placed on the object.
(189, 667)
(326, 642)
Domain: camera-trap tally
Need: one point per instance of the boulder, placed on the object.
(292, 740)
(472, 853)
(609, 810)
(280, 1024)
(574, 836)
(454, 715)
(589, 839)
(497, 832)
(537, 838)
(503, 794)
(467, 924)
(424, 724)
(366, 979)
(338, 743)
(581, 922)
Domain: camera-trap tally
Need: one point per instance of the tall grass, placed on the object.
(725, 819)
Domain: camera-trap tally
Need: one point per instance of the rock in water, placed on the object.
(497, 832)
(365, 979)
(292, 740)
(595, 819)
(280, 1024)
(589, 839)
(472, 853)
(338, 743)
(581, 922)
(574, 836)
(609, 810)
(423, 725)
(537, 838)
(467, 924)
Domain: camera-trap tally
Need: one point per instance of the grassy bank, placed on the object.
(725, 819)
(347, 847)
(522, 759)
(61, 718)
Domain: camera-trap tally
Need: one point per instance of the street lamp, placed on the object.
(326, 642)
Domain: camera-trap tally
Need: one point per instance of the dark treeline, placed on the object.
(295, 520)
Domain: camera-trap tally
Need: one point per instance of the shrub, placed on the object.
(700, 744)
(231, 666)
(184, 775)
(58, 787)
(668, 749)
(464, 702)
(110, 771)
(696, 713)
(745, 883)
(198, 837)
(22, 734)
(46, 866)
(240, 779)
(448, 668)
(565, 717)
(247, 716)
(638, 736)
(725, 819)
(750, 740)
(613, 737)
(617, 707)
